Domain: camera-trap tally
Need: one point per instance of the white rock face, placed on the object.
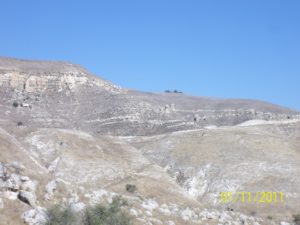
(50, 188)
(38, 83)
(52, 167)
(34, 83)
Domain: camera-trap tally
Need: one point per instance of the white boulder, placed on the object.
(35, 216)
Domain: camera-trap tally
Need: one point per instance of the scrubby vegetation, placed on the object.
(107, 215)
(296, 219)
(59, 215)
(111, 214)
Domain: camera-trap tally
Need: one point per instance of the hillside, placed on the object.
(67, 135)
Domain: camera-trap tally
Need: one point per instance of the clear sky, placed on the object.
(222, 48)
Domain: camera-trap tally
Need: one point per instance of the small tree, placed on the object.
(131, 188)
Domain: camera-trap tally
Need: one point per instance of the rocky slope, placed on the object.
(69, 136)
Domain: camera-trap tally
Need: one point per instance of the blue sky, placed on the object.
(230, 49)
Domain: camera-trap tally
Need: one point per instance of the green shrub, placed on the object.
(59, 215)
(180, 177)
(111, 214)
(15, 104)
(131, 188)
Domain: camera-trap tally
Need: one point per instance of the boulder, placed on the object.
(35, 216)
(12, 183)
(28, 185)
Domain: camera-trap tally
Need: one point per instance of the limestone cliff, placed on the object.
(32, 76)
